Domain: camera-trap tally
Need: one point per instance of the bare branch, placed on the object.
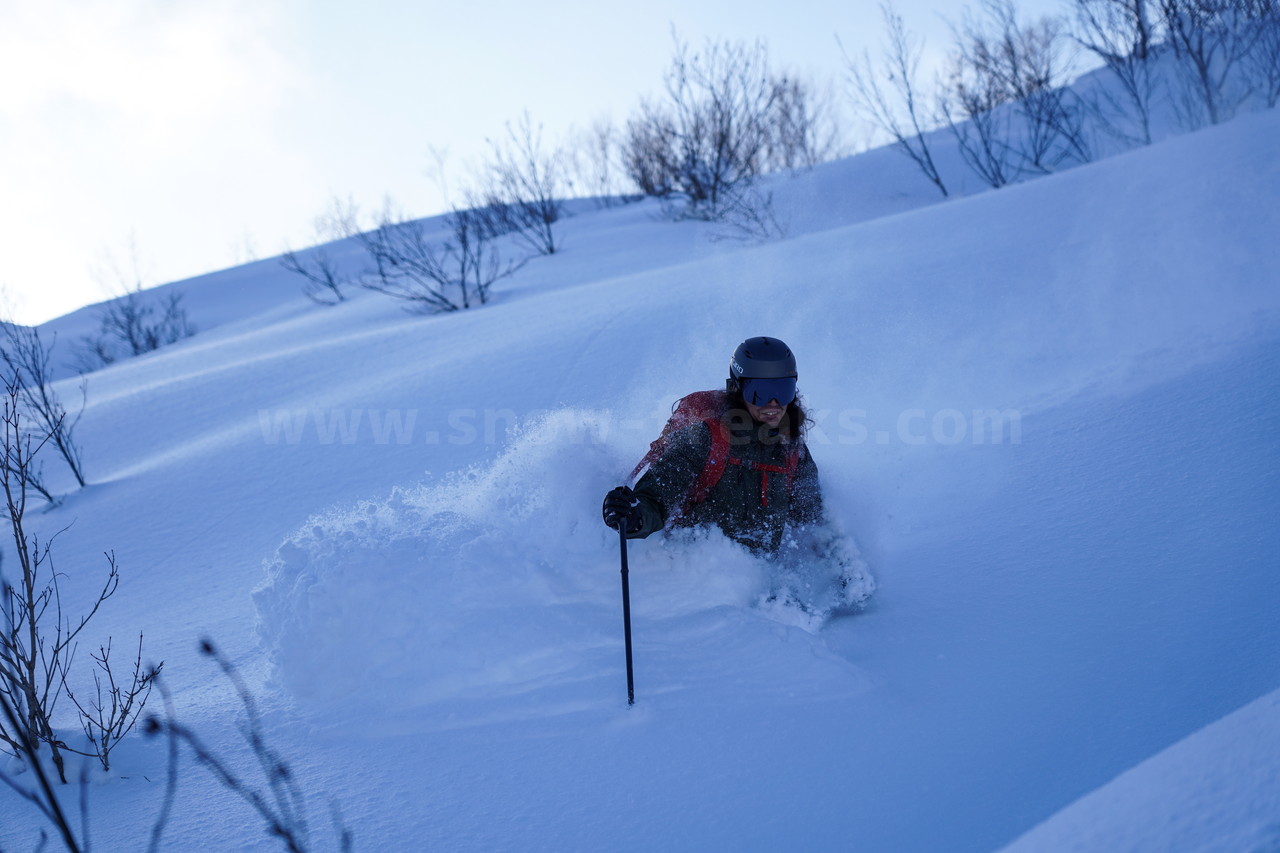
(526, 183)
(132, 325)
(726, 119)
(281, 806)
(1119, 33)
(38, 639)
(27, 361)
(1263, 62)
(1008, 105)
(113, 712)
(433, 277)
(1211, 39)
(324, 277)
(902, 118)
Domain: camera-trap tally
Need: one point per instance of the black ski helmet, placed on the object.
(762, 358)
(762, 369)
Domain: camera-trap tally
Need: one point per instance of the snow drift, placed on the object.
(486, 586)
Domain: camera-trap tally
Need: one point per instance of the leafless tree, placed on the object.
(27, 359)
(38, 639)
(408, 263)
(899, 111)
(711, 132)
(279, 803)
(128, 321)
(595, 163)
(1053, 115)
(1016, 74)
(33, 475)
(116, 706)
(748, 215)
(1262, 64)
(323, 276)
(525, 185)
(1119, 32)
(973, 109)
(132, 325)
(649, 151)
(1027, 62)
(1121, 26)
(133, 322)
(1211, 39)
(804, 130)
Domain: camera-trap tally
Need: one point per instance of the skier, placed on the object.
(734, 459)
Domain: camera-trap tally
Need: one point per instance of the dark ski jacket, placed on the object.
(752, 506)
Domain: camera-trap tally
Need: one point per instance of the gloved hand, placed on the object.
(621, 505)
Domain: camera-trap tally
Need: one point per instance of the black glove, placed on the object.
(621, 505)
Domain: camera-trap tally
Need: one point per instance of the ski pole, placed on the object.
(626, 611)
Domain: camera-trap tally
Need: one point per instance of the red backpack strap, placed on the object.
(713, 469)
(708, 407)
(793, 462)
(688, 410)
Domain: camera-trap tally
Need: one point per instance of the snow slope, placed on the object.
(1218, 789)
(390, 524)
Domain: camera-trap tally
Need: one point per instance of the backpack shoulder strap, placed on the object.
(688, 410)
(717, 459)
(793, 463)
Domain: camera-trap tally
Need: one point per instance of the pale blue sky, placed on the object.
(202, 131)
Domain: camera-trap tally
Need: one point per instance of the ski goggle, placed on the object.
(757, 392)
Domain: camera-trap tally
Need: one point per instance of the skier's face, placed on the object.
(770, 414)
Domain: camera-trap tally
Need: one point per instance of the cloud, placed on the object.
(113, 109)
(140, 60)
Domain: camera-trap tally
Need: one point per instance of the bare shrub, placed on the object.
(1020, 71)
(725, 119)
(134, 321)
(116, 705)
(431, 276)
(972, 109)
(804, 129)
(1119, 32)
(649, 151)
(895, 109)
(132, 325)
(38, 640)
(524, 185)
(324, 277)
(280, 803)
(595, 162)
(27, 361)
(713, 123)
(748, 215)
(1211, 39)
(1262, 64)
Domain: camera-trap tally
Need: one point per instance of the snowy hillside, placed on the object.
(1215, 790)
(1046, 415)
